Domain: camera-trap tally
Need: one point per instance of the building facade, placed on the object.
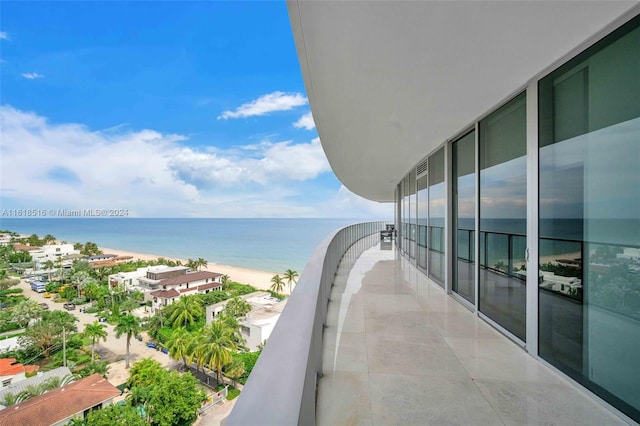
(512, 157)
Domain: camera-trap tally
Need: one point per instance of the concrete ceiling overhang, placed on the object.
(390, 81)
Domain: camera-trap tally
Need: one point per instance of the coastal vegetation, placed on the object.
(52, 338)
(156, 397)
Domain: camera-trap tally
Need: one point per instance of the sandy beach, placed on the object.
(259, 279)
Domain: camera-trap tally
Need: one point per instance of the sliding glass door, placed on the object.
(589, 273)
(503, 216)
(464, 216)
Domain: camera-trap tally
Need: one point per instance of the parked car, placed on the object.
(69, 306)
(45, 306)
(47, 295)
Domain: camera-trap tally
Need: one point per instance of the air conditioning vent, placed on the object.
(422, 167)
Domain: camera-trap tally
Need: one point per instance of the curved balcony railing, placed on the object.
(281, 389)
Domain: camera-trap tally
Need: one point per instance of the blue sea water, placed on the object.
(263, 244)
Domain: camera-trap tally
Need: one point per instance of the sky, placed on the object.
(161, 109)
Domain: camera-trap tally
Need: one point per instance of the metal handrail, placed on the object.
(281, 389)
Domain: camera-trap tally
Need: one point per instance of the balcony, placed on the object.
(395, 349)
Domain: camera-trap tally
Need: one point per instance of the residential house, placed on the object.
(170, 289)
(17, 387)
(61, 405)
(12, 371)
(257, 325)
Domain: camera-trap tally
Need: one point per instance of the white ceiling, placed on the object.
(389, 81)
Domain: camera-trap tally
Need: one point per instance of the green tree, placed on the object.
(90, 249)
(47, 332)
(186, 311)
(201, 263)
(277, 284)
(48, 266)
(129, 304)
(60, 268)
(25, 311)
(237, 307)
(233, 325)
(215, 347)
(7, 283)
(95, 367)
(181, 345)
(95, 332)
(49, 239)
(224, 280)
(176, 400)
(168, 397)
(144, 373)
(129, 326)
(19, 257)
(115, 415)
(192, 264)
(11, 399)
(234, 370)
(291, 276)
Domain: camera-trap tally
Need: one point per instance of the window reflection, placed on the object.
(589, 275)
(437, 203)
(503, 215)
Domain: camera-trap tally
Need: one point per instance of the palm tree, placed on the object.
(201, 263)
(237, 307)
(180, 345)
(59, 266)
(234, 370)
(192, 264)
(25, 311)
(233, 325)
(277, 285)
(215, 347)
(128, 325)
(10, 399)
(290, 276)
(186, 311)
(48, 265)
(224, 280)
(144, 373)
(95, 332)
(55, 382)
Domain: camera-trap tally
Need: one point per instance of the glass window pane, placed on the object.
(464, 213)
(423, 209)
(589, 285)
(503, 216)
(437, 209)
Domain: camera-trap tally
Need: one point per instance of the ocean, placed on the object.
(273, 245)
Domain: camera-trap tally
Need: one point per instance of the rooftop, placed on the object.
(188, 278)
(9, 367)
(59, 404)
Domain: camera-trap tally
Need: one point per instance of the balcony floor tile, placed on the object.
(398, 350)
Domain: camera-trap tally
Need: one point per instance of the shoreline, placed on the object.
(256, 278)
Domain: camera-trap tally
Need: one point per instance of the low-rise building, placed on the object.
(16, 387)
(52, 252)
(12, 371)
(168, 290)
(61, 405)
(257, 325)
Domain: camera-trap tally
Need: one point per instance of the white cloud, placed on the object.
(4, 35)
(347, 202)
(32, 75)
(69, 166)
(269, 162)
(305, 122)
(265, 104)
